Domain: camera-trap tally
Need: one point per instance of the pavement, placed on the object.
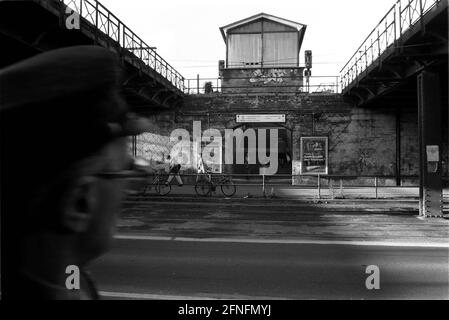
(287, 213)
(387, 222)
(392, 199)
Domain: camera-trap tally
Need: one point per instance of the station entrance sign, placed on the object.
(260, 118)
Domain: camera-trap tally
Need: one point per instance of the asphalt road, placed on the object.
(154, 269)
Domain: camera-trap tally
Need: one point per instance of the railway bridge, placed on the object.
(403, 63)
(30, 27)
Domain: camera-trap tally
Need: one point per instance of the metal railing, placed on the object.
(402, 16)
(316, 84)
(106, 22)
(321, 186)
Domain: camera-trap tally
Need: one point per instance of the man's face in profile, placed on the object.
(105, 200)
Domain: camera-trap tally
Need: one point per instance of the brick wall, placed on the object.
(262, 80)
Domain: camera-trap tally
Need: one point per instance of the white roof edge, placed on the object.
(298, 26)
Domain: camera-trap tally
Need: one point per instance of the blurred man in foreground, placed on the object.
(64, 158)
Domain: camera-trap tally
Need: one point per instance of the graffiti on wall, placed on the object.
(365, 161)
(265, 77)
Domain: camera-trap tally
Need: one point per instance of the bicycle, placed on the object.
(205, 186)
(162, 188)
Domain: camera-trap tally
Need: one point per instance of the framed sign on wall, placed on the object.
(254, 118)
(314, 155)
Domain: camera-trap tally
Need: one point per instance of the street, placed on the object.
(199, 270)
(238, 251)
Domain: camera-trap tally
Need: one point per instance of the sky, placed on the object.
(187, 35)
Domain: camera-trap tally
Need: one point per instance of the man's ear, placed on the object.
(79, 204)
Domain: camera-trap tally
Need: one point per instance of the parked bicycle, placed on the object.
(159, 184)
(206, 185)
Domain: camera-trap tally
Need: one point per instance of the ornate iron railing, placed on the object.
(105, 21)
(403, 15)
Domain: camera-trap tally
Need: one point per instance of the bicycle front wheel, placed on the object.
(202, 188)
(163, 189)
(228, 188)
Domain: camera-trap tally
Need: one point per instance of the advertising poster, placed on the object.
(314, 152)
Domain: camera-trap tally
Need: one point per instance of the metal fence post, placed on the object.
(378, 43)
(366, 58)
(386, 33)
(375, 186)
(96, 23)
(109, 22)
(341, 188)
(400, 19)
(198, 84)
(420, 16)
(395, 27)
(319, 187)
(119, 37)
(409, 8)
(263, 185)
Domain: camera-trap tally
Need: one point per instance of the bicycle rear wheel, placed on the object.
(203, 187)
(228, 188)
(163, 189)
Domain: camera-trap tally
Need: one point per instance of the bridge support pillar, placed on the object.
(429, 127)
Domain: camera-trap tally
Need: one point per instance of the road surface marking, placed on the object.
(268, 241)
(147, 296)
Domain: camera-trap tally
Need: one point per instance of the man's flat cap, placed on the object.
(77, 88)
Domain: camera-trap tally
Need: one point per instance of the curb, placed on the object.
(268, 199)
(390, 206)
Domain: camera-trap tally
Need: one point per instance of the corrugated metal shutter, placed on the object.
(244, 49)
(280, 49)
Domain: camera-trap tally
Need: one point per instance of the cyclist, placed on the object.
(175, 166)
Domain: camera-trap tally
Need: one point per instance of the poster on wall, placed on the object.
(314, 153)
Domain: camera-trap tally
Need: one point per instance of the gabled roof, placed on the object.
(298, 26)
